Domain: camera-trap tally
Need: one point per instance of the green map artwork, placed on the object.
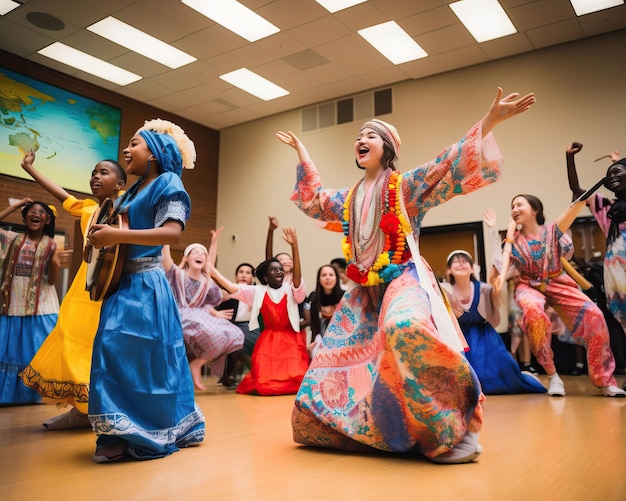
(69, 133)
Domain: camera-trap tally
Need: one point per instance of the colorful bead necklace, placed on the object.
(394, 226)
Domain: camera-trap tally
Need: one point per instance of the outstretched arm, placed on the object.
(504, 108)
(48, 184)
(289, 234)
(572, 175)
(222, 281)
(290, 139)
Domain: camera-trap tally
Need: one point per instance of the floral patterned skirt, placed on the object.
(385, 380)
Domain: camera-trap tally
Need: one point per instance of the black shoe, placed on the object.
(577, 371)
(529, 368)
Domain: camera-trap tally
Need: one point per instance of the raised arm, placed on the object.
(48, 184)
(12, 208)
(289, 235)
(269, 242)
(290, 139)
(572, 175)
(215, 237)
(506, 251)
(504, 108)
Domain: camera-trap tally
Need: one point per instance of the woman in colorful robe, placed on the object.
(386, 376)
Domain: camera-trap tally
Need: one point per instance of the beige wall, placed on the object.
(580, 90)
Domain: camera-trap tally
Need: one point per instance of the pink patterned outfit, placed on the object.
(383, 378)
(542, 280)
(206, 336)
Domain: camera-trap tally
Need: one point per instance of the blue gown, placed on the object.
(495, 367)
(141, 388)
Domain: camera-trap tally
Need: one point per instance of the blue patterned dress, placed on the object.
(141, 386)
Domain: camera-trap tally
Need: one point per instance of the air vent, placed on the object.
(346, 110)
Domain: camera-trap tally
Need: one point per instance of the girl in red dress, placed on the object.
(279, 359)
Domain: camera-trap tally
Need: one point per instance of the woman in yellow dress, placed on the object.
(60, 369)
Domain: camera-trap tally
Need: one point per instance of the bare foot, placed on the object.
(196, 372)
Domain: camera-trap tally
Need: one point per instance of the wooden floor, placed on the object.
(535, 448)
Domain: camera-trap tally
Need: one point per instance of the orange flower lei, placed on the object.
(395, 227)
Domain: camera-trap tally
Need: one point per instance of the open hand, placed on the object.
(489, 217)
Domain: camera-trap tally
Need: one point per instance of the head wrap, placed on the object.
(386, 131)
(185, 157)
(164, 150)
(459, 251)
(195, 246)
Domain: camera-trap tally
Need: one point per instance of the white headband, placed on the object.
(195, 246)
(459, 251)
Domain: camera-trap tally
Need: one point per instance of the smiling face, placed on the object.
(196, 259)
(137, 155)
(274, 275)
(460, 266)
(522, 212)
(36, 218)
(105, 180)
(369, 149)
(616, 179)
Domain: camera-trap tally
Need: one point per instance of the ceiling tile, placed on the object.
(307, 29)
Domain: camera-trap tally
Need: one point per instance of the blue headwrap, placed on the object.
(164, 148)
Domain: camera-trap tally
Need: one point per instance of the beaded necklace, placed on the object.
(394, 226)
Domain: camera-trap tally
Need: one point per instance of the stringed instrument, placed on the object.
(105, 264)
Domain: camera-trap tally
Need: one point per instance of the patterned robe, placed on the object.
(383, 378)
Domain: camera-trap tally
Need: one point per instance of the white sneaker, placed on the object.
(613, 391)
(465, 451)
(556, 388)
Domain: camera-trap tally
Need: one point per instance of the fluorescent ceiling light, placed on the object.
(89, 64)
(337, 5)
(393, 42)
(140, 42)
(254, 84)
(583, 7)
(235, 17)
(484, 19)
(7, 6)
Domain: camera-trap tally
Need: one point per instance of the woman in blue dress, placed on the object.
(141, 393)
(476, 306)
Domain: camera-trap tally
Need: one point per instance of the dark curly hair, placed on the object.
(49, 228)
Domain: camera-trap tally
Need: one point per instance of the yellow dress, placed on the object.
(60, 369)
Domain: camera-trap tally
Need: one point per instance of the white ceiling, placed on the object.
(317, 56)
